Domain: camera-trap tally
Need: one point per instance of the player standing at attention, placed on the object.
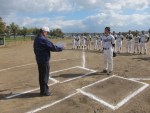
(115, 36)
(78, 41)
(108, 44)
(88, 41)
(100, 42)
(83, 38)
(120, 39)
(129, 42)
(73, 41)
(136, 43)
(95, 42)
(143, 40)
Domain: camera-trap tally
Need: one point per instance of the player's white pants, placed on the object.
(119, 46)
(136, 47)
(78, 43)
(88, 44)
(129, 46)
(143, 46)
(95, 45)
(73, 44)
(108, 59)
(83, 43)
(100, 45)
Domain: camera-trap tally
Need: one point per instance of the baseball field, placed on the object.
(75, 81)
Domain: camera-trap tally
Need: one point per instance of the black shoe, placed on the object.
(144, 53)
(47, 94)
(104, 71)
(140, 53)
(110, 73)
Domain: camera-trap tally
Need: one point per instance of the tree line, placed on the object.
(14, 29)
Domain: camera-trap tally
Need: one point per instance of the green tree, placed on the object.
(8, 31)
(24, 32)
(2, 26)
(14, 29)
(35, 31)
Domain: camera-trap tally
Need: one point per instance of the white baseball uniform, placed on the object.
(115, 36)
(95, 42)
(136, 43)
(108, 51)
(78, 40)
(83, 40)
(100, 42)
(129, 43)
(143, 39)
(73, 42)
(120, 37)
(88, 42)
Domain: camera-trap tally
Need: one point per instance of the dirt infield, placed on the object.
(19, 85)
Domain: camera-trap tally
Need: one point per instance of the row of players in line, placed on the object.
(139, 40)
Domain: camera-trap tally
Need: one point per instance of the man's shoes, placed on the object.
(47, 94)
(110, 73)
(140, 53)
(144, 53)
(104, 71)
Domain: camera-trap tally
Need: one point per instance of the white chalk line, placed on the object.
(26, 65)
(49, 105)
(120, 103)
(97, 82)
(131, 96)
(78, 77)
(139, 78)
(83, 58)
(96, 98)
(92, 71)
(8, 97)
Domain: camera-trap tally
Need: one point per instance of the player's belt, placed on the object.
(142, 41)
(106, 48)
(136, 42)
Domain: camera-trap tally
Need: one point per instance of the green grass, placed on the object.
(11, 39)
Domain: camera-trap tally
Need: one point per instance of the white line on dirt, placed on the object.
(120, 103)
(63, 70)
(78, 77)
(139, 78)
(83, 58)
(131, 96)
(97, 82)
(130, 79)
(27, 65)
(8, 97)
(96, 98)
(49, 105)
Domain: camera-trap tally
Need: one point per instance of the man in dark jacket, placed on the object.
(42, 47)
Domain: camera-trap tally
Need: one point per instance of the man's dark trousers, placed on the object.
(43, 69)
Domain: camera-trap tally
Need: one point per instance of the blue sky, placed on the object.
(77, 15)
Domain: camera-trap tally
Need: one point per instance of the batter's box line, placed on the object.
(106, 103)
(15, 95)
(92, 71)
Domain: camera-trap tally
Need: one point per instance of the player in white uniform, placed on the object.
(136, 43)
(100, 42)
(144, 38)
(120, 39)
(78, 41)
(95, 42)
(73, 42)
(88, 41)
(108, 44)
(115, 36)
(83, 38)
(129, 42)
